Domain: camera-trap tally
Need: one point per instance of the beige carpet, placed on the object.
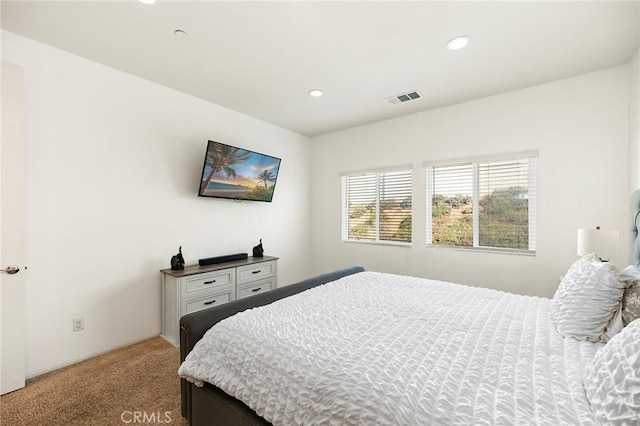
(133, 385)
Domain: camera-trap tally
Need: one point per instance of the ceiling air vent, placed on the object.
(405, 97)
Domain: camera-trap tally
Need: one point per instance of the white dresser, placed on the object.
(200, 287)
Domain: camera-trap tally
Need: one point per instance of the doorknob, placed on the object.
(11, 269)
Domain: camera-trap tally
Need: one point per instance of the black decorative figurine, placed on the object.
(258, 251)
(177, 261)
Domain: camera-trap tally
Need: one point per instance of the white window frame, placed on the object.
(345, 200)
(532, 156)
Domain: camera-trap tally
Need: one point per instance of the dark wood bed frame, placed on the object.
(209, 405)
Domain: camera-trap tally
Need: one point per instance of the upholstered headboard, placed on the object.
(634, 240)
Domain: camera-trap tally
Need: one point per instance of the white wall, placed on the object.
(634, 121)
(112, 171)
(580, 127)
(113, 163)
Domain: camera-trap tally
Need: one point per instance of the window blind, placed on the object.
(395, 206)
(361, 208)
(504, 204)
(376, 207)
(452, 205)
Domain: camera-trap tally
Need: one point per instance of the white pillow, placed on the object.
(631, 297)
(587, 300)
(612, 381)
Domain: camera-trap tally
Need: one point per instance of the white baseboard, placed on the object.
(36, 373)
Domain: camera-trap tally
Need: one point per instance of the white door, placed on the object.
(12, 319)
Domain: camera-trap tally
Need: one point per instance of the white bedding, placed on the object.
(375, 348)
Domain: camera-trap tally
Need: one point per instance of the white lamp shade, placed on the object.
(603, 243)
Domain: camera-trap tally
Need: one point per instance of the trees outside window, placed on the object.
(376, 207)
(482, 204)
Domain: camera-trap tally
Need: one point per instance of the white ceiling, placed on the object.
(261, 58)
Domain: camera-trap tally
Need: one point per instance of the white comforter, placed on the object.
(381, 349)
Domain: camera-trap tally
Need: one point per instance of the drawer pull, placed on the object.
(209, 282)
(256, 289)
(208, 303)
(256, 272)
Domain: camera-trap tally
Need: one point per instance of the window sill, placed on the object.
(484, 250)
(378, 243)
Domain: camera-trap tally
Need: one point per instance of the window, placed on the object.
(486, 203)
(376, 206)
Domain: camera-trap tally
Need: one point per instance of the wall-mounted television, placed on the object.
(237, 173)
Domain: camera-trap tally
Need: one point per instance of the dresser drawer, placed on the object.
(207, 302)
(255, 288)
(209, 280)
(198, 287)
(256, 272)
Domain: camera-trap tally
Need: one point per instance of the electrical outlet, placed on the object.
(78, 324)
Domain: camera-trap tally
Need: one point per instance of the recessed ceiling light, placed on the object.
(458, 42)
(315, 92)
(147, 1)
(180, 34)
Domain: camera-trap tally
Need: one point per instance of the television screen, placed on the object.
(236, 173)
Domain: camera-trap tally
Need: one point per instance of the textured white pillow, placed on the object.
(631, 297)
(612, 381)
(587, 299)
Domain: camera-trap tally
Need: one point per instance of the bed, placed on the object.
(362, 347)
